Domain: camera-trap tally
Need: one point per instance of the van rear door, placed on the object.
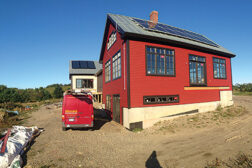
(85, 109)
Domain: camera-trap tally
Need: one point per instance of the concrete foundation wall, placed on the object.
(150, 115)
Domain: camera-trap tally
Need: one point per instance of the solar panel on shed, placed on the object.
(83, 65)
(159, 27)
(75, 65)
(90, 65)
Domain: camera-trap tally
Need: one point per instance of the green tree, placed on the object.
(58, 92)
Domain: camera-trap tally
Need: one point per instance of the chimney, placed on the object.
(153, 19)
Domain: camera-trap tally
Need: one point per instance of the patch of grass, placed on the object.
(219, 108)
(217, 163)
(229, 112)
(7, 120)
(170, 128)
(240, 161)
(194, 118)
(239, 93)
(137, 129)
(48, 166)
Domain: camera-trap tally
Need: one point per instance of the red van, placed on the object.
(77, 110)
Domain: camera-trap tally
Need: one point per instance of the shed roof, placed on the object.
(78, 71)
(130, 29)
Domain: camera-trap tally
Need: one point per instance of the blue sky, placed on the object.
(39, 37)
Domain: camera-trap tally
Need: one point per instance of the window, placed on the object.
(219, 68)
(111, 40)
(107, 71)
(84, 83)
(160, 61)
(197, 66)
(108, 102)
(161, 99)
(116, 65)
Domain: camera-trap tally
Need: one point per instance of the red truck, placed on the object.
(77, 110)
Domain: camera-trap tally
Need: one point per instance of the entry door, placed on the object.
(116, 108)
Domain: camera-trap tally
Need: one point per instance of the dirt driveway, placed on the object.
(189, 141)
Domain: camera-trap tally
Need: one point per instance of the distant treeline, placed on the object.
(245, 87)
(15, 95)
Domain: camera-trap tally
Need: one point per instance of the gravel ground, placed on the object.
(188, 141)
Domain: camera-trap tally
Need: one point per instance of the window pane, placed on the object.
(148, 63)
(153, 60)
(78, 83)
(192, 66)
(215, 70)
(159, 62)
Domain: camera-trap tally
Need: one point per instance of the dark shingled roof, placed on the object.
(129, 29)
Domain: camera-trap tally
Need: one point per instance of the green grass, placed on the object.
(137, 129)
(239, 93)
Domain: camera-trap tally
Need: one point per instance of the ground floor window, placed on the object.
(107, 71)
(84, 83)
(219, 68)
(108, 102)
(197, 69)
(161, 99)
(160, 61)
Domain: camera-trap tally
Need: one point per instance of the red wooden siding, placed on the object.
(142, 85)
(118, 86)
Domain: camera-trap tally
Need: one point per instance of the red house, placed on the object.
(152, 71)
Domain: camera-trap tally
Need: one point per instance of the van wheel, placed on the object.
(64, 129)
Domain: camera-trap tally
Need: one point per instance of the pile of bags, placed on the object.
(19, 139)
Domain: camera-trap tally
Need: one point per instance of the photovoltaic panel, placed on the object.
(90, 65)
(75, 65)
(159, 27)
(83, 65)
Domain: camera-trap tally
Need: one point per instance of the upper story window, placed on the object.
(160, 61)
(219, 68)
(197, 69)
(84, 83)
(116, 63)
(111, 40)
(107, 71)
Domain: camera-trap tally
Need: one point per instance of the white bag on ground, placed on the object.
(17, 141)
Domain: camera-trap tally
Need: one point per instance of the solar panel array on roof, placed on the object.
(175, 31)
(83, 65)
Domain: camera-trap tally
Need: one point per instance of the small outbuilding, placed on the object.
(85, 75)
(152, 71)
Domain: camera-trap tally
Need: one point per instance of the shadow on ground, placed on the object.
(152, 161)
(101, 117)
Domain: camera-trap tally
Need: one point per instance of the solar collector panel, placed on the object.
(75, 65)
(175, 31)
(83, 65)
